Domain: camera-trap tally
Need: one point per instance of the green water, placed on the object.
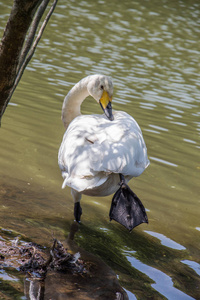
(151, 49)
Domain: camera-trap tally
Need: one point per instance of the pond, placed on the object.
(151, 50)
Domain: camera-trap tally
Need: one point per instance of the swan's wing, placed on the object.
(75, 155)
(121, 148)
(93, 146)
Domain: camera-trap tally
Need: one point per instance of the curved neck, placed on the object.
(73, 100)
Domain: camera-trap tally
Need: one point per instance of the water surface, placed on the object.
(151, 50)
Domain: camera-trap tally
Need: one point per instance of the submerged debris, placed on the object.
(65, 271)
(31, 259)
(62, 260)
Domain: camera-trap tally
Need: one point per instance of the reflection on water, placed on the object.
(5, 276)
(193, 265)
(161, 280)
(152, 52)
(166, 241)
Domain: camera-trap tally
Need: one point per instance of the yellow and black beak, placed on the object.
(105, 103)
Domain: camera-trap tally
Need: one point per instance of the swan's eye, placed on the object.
(101, 87)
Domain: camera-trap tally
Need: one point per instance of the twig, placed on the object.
(32, 50)
(51, 256)
(32, 32)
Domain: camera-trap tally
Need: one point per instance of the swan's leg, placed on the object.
(77, 207)
(77, 211)
(122, 181)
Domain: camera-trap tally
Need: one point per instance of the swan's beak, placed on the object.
(105, 103)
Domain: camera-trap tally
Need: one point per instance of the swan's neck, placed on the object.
(72, 102)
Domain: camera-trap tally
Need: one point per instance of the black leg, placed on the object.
(77, 211)
(122, 181)
(121, 176)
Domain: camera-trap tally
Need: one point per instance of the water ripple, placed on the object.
(162, 161)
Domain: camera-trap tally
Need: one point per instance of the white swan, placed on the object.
(97, 148)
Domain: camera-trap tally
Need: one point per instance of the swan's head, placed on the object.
(100, 87)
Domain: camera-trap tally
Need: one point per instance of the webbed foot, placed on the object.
(126, 207)
(77, 211)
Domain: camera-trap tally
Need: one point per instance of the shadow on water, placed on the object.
(141, 268)
(90, 278)
(100, 283)
(144, 266)
(147, 263)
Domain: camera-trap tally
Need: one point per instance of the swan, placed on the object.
(99, 154)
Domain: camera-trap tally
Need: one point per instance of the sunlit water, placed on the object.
(151, 50)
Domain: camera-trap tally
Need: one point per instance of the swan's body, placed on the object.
(95, 150)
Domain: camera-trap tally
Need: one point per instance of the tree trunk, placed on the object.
(16, 49)
(21, 16)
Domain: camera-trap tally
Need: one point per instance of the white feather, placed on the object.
(95, 150)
